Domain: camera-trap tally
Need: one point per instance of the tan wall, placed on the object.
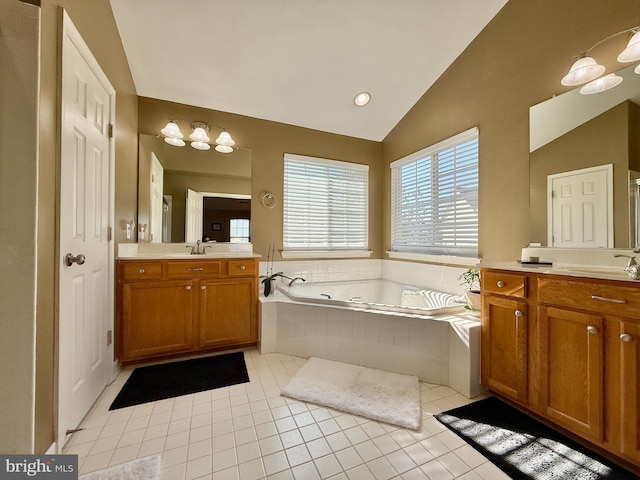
(94, 20)
(515, 62)
(269, 141)
(18, 189)
(600, 141)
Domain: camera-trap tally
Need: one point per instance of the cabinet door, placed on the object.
(572, 369)
(504, 346)
(157, 318)
(630, 394)
(227, 312)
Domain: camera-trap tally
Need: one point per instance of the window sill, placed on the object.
(326, 254)
(443, 259)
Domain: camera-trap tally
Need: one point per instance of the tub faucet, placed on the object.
(294, 280)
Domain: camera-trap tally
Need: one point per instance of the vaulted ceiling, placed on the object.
(299, 62)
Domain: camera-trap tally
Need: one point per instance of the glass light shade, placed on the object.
(601, 84)
(176, 142)
(582, 71)
(632, 52)
(171, 130)
(225, 139)
(361, 99)
(199, 135)
(200, 145)
(224, 149)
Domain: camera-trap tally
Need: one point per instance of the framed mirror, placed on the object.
(571, 136)
(186, 194)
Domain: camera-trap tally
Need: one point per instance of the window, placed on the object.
(325, 204)
(434, 199)
(239, 230)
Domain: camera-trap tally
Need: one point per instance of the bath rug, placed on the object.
(147, 468)
(525, 448)
(167, 380)
(383, 396)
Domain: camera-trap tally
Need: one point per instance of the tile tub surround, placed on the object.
(443, 350)
(442, 278)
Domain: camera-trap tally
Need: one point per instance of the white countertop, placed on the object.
(160, 251)
(566, 269)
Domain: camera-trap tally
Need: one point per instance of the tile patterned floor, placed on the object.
(250, 432)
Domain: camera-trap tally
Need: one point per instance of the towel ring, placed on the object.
(269, 200)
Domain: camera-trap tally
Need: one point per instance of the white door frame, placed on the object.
(70, 32)
(609, 171)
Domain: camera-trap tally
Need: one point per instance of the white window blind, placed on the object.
(325, 204)
(434, 198)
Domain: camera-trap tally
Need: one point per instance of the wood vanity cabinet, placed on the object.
(504, 334)
(183, 307)
(582, 343)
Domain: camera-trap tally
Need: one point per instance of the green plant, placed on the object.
(267, 279)
(470, 279)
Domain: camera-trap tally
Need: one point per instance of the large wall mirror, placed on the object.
(186, 194)
(584, 167)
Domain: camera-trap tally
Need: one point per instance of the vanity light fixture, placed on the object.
(362, 98)
(173, 135)
(225, 143)
(601, 84)
(199, 137)
(587, 70)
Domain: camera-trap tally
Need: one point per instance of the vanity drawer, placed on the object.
(206, 268)
(241, 268)
(597, 297)
(503, 283)
(141, 270)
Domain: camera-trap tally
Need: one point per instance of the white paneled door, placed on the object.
(193, 224)
(580, 212)
(85, 271)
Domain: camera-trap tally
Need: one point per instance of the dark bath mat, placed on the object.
(525, 448)
(167, 380)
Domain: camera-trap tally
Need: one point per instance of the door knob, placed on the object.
(69, 259)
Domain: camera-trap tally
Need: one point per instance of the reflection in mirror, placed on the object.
(186, 194)
(571, 137)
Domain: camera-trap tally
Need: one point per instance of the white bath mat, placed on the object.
(147, 468)
(384, 396)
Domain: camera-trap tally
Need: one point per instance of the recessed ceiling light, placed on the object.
(361, 99)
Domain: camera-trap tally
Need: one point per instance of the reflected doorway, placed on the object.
(220, 218)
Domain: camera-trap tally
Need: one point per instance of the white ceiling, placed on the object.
(299, 62)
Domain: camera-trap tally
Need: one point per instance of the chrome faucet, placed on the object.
(630, 263)
(294, 280)
(196, 250)
(632, 268)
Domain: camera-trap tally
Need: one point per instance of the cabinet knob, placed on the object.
(142, 270)
(188, 287)
(203, 287)
(500, 284)
(519, 313)
(592, 329)
(242, 267)
(625, 337)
